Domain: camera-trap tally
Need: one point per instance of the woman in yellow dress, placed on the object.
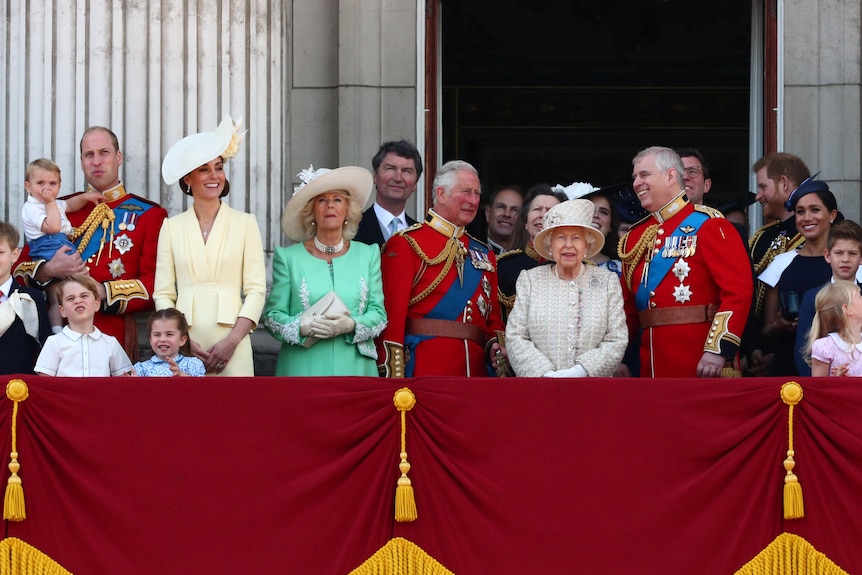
(210, 262)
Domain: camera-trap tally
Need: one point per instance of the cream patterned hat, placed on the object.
(573, 213)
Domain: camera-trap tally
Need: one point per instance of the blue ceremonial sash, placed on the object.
(661, 265)
(451, 305)
(131, 205)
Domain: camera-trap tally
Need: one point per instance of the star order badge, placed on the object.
(123, 243)
(681, 293)
(117, 268)
(681, 270)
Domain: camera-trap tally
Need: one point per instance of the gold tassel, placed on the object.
(791, 394)
(405, 503)
(13, 503)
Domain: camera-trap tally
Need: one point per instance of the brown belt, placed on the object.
(677, 315)
(446, 328)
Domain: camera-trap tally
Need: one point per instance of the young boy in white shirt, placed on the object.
(81, 350)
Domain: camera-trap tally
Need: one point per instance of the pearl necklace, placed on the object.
(328, 250)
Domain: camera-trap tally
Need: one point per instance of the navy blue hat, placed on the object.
(739, 204)
(626, 203)
(809, 186)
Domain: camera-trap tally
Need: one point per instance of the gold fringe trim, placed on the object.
(405, 503)
(401, 557)
(630, 258)
(791, 394)
(790, 554)
(13, 502)
(20, 558)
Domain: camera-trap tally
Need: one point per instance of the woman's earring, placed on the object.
(313, 223)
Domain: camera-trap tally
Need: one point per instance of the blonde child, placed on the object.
(834, 345)
(80, 349)
(169, 337)
(45, 224)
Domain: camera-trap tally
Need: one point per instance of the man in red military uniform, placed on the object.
(440, 288)
(685, 277)
(116, 246)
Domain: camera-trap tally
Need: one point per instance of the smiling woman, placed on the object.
(791, 274)
(201, 250)
(568, 318)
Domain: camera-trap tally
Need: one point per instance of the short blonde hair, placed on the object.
(86, 281)
(44, 164)
(354, 216)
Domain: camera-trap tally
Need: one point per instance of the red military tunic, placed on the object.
(687, 284)
(121, 256)
(421, 282)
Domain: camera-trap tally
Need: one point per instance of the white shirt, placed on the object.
(33, 214)
(384, 218)
(6, 286)
(73, 354)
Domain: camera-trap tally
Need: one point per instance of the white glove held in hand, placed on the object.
(326, 327)
(305, 326)
(576, 370)
(341, 324)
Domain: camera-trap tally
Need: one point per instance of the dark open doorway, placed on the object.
(560, 91)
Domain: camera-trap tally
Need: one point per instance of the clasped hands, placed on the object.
(327, 326)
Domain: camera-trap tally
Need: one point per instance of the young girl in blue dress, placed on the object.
(169, 337)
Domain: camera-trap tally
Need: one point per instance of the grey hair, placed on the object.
(446, 175)
(588, 238)
(665, 159)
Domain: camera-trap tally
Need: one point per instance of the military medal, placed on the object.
(131, 225)
(122, 225)
(123, 243)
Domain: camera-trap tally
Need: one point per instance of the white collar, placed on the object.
(75, 336)
(845, 346)
(6, 286)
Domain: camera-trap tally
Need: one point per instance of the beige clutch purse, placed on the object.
(329, 304)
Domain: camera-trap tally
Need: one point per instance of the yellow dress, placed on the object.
(216, 282)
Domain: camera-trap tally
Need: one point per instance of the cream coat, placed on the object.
(557, 323)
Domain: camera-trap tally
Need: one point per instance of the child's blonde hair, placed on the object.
(45, 164)
(86, 282)
(830, 313)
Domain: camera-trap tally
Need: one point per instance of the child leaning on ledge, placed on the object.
(81, 349)
(169, 337)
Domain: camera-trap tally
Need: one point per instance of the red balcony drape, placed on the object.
(519, 476)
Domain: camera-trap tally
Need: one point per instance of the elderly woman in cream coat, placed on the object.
(210, 262)
(568, 319)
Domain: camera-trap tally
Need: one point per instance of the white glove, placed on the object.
(576, 370)
(305, 326)
(329, 326)
(341, 323)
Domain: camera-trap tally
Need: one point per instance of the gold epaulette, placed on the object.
(413, 228)
(26, 272)
(711, 212)
(509, 253)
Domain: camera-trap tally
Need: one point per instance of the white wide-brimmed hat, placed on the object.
(198, 149)
(573, 213)
(354, 180)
